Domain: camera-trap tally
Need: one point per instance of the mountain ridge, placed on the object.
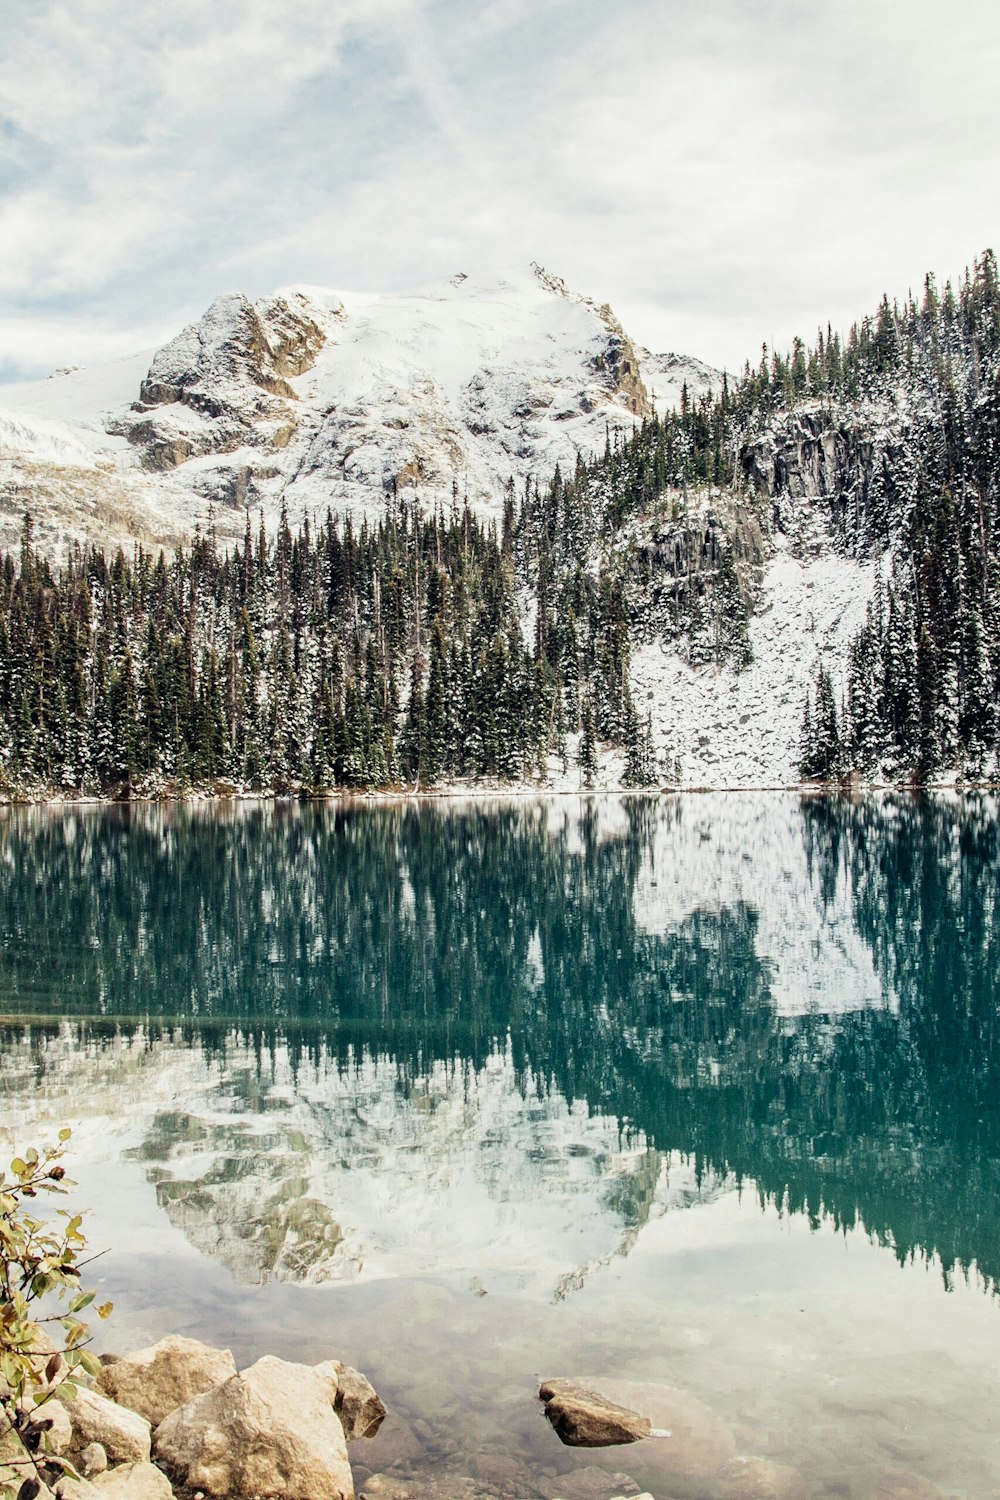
(311, 399)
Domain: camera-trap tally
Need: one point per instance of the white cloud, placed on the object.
(721, 174)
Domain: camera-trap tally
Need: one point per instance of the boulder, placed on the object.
(51, 1418)
(270, 1431)
(133, 1482)
(123, 1434)
(689, 1441)
(156, 1380)
(359, 1408)
(585, 1419)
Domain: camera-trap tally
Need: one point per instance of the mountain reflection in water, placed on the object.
(500, 1037)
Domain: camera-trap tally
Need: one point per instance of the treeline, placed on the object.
(331, 657)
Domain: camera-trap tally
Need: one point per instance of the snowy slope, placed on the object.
(738, 729)
(314, 398)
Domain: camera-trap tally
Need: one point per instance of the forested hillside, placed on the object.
(436, 646)
(394, 654)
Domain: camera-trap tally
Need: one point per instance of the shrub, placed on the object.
(43, 1342)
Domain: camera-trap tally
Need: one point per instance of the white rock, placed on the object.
(269, 1431)
(124, 1435)
(156, 1380)
(133, 1482)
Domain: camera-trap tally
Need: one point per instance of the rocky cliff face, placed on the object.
(222, 384)
(847, 459)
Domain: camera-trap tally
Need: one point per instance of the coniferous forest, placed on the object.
(428, 646)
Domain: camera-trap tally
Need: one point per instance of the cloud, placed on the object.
(722, 174)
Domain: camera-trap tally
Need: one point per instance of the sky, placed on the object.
(722, 172)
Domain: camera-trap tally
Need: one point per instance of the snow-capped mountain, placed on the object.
(314, 399)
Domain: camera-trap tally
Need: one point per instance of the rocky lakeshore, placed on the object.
(178, 1421)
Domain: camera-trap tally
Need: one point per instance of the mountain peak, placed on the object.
(313, 398)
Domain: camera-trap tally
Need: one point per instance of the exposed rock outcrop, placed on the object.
(221, 383)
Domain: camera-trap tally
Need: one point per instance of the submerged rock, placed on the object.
(585, 1484)
(900, 1484)
(426, 1487)
(583, 1418)
(269, 1431)
(753, 1478)
(395, 1445)
(156, 1380)
(687, 1440)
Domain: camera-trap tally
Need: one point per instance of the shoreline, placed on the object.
(477, 791)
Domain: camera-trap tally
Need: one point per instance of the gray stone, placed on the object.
(583, 1418)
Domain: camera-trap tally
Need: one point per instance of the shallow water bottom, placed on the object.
(813, 1348)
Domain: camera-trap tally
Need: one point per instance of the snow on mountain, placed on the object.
(733, 728)
(667, 375)
(314, 399)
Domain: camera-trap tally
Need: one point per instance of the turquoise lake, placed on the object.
(699, 1092)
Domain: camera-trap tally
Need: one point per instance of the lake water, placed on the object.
(699, 1092)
